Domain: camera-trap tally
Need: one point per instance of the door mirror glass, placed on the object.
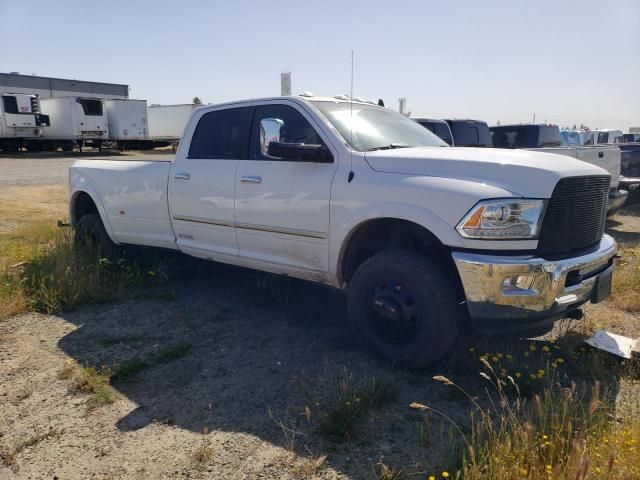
(270, 130)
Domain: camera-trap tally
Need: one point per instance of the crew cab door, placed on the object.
(282, 206)
(202, 182)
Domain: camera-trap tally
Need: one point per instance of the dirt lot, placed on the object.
(230, 374)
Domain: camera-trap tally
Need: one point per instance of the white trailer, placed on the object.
(128, 123)
(75, 121)
(167, 122)
(20, 121)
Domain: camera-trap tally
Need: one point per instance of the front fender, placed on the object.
(343, 231)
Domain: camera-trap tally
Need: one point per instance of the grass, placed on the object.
(341, 406)
(42, 270)
(128, 368)
(90, 380)
(626, 280)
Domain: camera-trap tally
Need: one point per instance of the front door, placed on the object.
(202, 183)
(282, 206)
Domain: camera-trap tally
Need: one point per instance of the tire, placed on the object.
(404, 308)
(90, 232)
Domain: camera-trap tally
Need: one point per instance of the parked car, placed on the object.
(470, 133)
(630, 170)
(437, 126)
(363, 199)
(607, 136)
(547, 138)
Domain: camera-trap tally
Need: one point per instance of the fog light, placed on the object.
(519, 285)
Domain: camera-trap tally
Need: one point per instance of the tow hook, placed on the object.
(576, 314)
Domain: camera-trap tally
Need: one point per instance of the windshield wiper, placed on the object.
(391, 146)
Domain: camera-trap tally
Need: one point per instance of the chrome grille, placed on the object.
(575, 216)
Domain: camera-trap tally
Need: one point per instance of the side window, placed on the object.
(296, 128)
(10, 104)
(442, 130)
(222, 134)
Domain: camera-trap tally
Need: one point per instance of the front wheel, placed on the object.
(404, 308)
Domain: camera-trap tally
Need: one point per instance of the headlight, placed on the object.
(507, 219)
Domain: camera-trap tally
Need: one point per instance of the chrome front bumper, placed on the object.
(512, 293)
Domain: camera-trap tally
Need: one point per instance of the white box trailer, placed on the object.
(75, 121)
(127, 118)
(20, 120)
(167, 122)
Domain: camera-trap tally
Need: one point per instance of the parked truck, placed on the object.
(547, 138)
(75, 121)
(437, 126)
(419, 235)
(167, 122)
(128, 123)
(21, 121)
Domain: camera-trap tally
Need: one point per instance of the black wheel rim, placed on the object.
(394, 315)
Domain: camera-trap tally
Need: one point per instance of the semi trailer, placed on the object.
(75, 121)
(167, 122)
(128, 123)
(21, 122)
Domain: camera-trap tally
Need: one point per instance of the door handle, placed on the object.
(182, 176)
(251, 179)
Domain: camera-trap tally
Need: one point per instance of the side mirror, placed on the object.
(300, 152)
(270, 129)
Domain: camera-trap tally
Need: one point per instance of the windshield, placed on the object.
(375, 128)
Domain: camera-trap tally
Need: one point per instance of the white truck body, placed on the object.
(19, 116)
(355, 202)
(71, 120)
(607, 136)
(607, 157)
(127, 119)
(167, 122)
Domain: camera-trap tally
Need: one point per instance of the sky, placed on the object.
(568, 62)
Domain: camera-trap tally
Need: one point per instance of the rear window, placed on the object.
(468, 133)
(441, 129)
(603, 137)
(91, 108)
(10, 104)
(222, 134)
(550, 136)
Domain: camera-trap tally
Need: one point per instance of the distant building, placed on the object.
(59, 87)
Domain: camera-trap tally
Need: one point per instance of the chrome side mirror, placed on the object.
(270, 129)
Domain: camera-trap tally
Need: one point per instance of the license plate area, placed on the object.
(602, 287)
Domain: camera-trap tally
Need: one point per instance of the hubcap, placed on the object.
(394, 313)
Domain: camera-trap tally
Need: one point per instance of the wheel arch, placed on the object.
(83, 202)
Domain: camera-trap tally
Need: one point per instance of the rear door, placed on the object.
(282, 206)
(202, 182)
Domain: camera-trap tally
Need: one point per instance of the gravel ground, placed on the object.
(51, 168)
(264, 359)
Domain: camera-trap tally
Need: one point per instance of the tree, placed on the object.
(196, 101)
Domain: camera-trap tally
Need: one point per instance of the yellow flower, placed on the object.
(526, 354)
(545, 437)
(509, 357)
(533, 348)
(545, 349)
(495, 359)
(560, 360)
(518, 374)
(445, 474)
(472, 349)
(499, 355)
(533, 377)
(540, 375)
(432, 477)
(549, 468)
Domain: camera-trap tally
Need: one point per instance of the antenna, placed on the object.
(351, 125)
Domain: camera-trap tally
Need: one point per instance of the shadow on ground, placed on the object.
(261, 347)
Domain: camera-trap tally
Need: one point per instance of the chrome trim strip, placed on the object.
(250, 226)
(287, 231)
(186, 218)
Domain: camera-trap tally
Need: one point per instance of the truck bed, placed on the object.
(133, 196)
(607, 157)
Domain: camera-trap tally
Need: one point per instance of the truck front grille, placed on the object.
(575, 215)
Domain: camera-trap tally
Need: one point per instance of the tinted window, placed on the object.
(91, 107)
(222, 134)
(603, 137)
(296, 128)
(512, 137)
(431, 126)
(10, 104)
(468, 133)
(442, 130)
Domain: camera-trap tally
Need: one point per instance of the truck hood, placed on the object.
(523, 172)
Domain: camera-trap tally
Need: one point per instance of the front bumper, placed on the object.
(520, 293)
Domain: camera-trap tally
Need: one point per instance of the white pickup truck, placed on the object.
(420, 235)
